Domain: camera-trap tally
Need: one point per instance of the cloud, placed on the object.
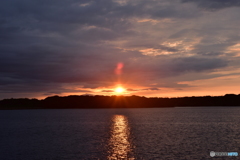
(151, 89)
(215, 4)
(107, 90)
(49, 46)
(132, 90)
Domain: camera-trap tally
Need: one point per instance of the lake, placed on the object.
(155, 133)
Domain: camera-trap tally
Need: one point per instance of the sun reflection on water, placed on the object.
(120, 146)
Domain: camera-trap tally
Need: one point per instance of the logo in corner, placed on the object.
(212, 153)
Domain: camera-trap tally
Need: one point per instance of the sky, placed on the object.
(152, 48)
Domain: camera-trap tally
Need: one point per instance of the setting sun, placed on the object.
(119, 90)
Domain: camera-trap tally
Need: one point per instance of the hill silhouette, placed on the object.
(99, 101)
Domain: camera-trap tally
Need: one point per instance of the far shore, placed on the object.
(99, 101)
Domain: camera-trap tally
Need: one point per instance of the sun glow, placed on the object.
(119, 90)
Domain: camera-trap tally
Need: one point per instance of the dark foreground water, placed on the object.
(166, 133)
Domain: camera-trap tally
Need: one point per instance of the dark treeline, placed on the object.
(56, 102)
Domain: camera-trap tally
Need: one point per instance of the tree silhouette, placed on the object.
(100, 101)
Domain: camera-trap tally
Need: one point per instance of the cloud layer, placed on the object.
(58, 46)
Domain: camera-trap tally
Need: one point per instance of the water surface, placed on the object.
(164, 133)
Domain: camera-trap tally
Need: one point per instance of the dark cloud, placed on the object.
(197, 64)
(163, 66)
(165, 48)
(144, 89)
(48, 46)
(131, 89)
(151, 89)
(215, 4)
(107, 90)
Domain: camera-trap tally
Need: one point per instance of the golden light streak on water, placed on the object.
(120, 147)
